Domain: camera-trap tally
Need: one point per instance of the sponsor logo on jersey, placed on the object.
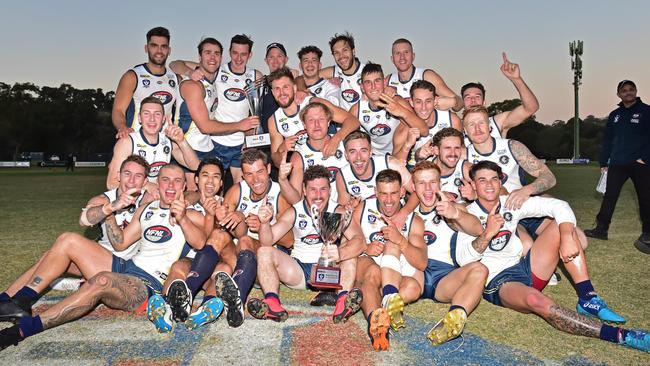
(377, 236)
(146, 83)
(507, 216)
(429, 237)
(501, 151)
(172, 83)
(302, 224)
(164, 96)
(356, 189)
(503, 159)
(158, 234)
(155, 168)
(500, 240)
(167, 149)
(380, 130)
(311, 239)
(350, 95)
(234, 94)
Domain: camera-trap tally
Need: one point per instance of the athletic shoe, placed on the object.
(179, 298)
(228, 291)
(597, 233)
(378, 330)
(10, 311)
(322, 298)
(347, 305)
(160, 314)
(448, 328)
(643, 243)
(267, 309)
(596, 307)
(394, 305)
(206, 313)
(637, 339)
(555, 279)
(9, 337)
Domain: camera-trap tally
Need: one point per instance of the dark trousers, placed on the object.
(617, 175)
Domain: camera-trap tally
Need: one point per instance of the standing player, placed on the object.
(310, 65)
(403, 56)
(516, 282)
(474, 95)
(275, 266)
(347, 69)
(146, 80)
(152, 144)
(380, 113)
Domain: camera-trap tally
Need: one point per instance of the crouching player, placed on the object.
(515, 282)
(275, 266)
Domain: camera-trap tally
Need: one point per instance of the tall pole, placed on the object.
(575, 51)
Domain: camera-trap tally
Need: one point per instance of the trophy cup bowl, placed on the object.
(330, 226)
(254, 99)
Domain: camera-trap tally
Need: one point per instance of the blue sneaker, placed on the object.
(596, 307)
(160, 314)
(637, 339)
(206, 313)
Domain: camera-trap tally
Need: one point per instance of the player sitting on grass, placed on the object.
(515, 282)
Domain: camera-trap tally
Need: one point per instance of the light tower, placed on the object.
(575, 50)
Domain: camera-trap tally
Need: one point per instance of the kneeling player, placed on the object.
(275, 266)
(515, 282)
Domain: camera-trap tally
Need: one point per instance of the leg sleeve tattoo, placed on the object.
(571, 322)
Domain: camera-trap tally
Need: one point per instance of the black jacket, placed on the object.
(627, 135)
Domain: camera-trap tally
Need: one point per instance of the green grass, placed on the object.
(37, 204)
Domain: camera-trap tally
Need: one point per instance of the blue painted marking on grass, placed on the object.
(287, 339)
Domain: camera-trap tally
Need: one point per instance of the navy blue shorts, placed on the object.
(434, 272)
(127, 267)
(531, 224)
(306, 270)
(520, 272)
(229, 155)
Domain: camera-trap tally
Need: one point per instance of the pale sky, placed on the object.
(90, 44)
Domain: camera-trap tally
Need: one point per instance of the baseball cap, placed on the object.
(276, 45)
(622, 83)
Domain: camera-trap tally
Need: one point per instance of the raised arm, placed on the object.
(121, 151)
(181, 150)
(529, 104)
(271, 234)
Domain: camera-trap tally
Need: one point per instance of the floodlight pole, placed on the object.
(575, 51)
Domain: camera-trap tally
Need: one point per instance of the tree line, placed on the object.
(65, 120)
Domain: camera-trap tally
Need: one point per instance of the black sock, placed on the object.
(26, 297)
(585, 290)
(203, 265)
(245, 273)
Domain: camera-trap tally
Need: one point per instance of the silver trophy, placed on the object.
(254, 97)
(330, 226)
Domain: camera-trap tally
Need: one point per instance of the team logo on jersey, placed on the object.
(318, 90)
(429, 237)
(366, 119)
(234, 94)
(311, 239)
(158, 234)
(131, 210)
(285, 127)
(302, 137)
(372, 219)
(248, 81)
(155, 168)
(224, 78)
(338, 154)
(350, 95)
(214, 105)
(310, 162)
(142, 153)
(458, 182)
(167, 149)
(504, 159)
(380, 130)
(243, 206)
(172, 83)
(302, 224)
(500, 240)
(436, 220)
(146, 83)
(507, 216)
(356, 189)
(148, 215)
(333, 171)
(164, 96)
(377, 236)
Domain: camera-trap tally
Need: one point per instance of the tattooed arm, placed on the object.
(94, 212)
(122, 239)
(544, 178)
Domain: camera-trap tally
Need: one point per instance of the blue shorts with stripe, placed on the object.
(127, 267)
(520, 272)
(434, 272)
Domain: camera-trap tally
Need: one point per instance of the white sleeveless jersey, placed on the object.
(495, 131)
(442, 120)
(451, 183)
(123, 218)
(371, 224)
(197, 139)
(334, 163)
(157, 155)
(513, 175)
(350, 86)
(163, 87)
(404, 87)
(380, 125)
(247, 205)
(232, 106)
(363, 188)
(307, 243)
(292, 125)
(505, 249)
(326, 90)
(439, 237)
(161, 244)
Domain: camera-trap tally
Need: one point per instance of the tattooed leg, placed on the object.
(68, 249)
(115, 290)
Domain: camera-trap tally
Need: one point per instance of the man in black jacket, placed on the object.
(626, 154)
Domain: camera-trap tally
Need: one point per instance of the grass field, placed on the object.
(38, 204)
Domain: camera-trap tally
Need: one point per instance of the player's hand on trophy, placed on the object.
(330, 252)
(494, 222)
(466, 190)
(265, 214)
(175, 133)
(123, 132)
(248, 123)
(509, 69)
(253, 222)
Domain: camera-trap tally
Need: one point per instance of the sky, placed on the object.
(90, 44)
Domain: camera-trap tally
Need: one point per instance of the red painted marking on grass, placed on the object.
(326, 343)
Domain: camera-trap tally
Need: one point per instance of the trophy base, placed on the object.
(325, 277)
(263, 139)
